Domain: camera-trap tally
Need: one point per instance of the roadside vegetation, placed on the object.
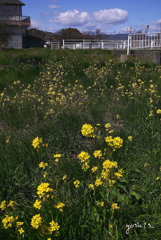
(80, 141)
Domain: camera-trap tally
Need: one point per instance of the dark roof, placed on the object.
(11, 2)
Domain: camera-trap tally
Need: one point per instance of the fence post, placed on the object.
(102, 45)
(63, 43)
(128, 46)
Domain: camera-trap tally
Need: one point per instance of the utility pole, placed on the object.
(19, 15)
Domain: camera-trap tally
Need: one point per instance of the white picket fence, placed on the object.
(93, 44)
(144, 41)
(55, 45)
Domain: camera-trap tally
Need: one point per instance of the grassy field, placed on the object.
(80, 146)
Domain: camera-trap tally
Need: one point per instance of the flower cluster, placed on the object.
(43, 165)
(98, 182)
(18, 226)
(109, 164)
(97, 154)
(57, 156)
(8, 221)
(94, 169)
(43, 189)
(158, 111)
(91, 186)
(3, 204)
(54, 226)
(36, 221)
(37, 142)
(37, 204)
(130, 138)
(114, 206)
(76, 183)
(84, 157)
(59, 206)
(88, 131)
(114, 142)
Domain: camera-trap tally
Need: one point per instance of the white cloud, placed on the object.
(72, 18)
(77, 18)
(54, 6)
(110, 16)
(35, 24)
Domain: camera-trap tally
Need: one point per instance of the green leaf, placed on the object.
(135, 194)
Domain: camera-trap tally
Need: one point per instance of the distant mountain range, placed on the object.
(49, 36)
(117, 37)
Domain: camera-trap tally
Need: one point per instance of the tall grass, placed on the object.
(89, 127)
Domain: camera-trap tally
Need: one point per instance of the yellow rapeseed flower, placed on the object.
(43, 165)
(45, 174)
(87, 130)
(84, 156)
(114, 206)
(65, 177)
(11, 203)
(97, 153)
(57, 155)
(94, 169)
(117, 142)
(42, 189)
(59, 206)
(85, 166)
(19, 224)
(118, 175)
(54, 226)
(130, 138)
(146, 164)
(109, 164)
(8, 139)
(3, 205)
(7, 221)
(98, 182)
(21, 230)
(158, 111)
(107, 126)
(37, 204)
(111, 182)
(91, 186)
(76, 183)
(36, 142)
(36, 221)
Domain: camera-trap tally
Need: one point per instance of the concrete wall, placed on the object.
(15, 42)
(148, 56)
(19, 42)
(143, 55)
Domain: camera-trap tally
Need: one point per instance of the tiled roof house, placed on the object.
(11, 13)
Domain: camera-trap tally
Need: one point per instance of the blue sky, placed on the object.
(110, 16)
